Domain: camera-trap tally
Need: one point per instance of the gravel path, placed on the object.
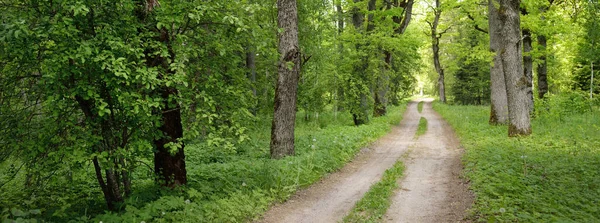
(431, 190)
(431, 176)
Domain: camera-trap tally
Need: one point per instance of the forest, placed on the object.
(218, 111)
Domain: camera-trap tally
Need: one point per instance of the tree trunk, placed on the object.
(542, 68)
(499, 103)
(108, 196)
(405, 20)
(383, 87)
(251, 73)
(169, 163)
(339, 89)
(251, 66)
(110, 187)
(360, 115)
(284, 116)
(435, 46)
(512, 66)
(380, 86)
(528, 66)
(170, 167)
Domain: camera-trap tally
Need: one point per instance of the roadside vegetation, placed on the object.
(373, 206)
(422, 127)
(226, 185)
(551, 176)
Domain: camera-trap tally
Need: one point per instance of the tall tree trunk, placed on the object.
(512, 66)
(339, 88)
(499, 105)
(528, 67)
(251, 66)
(435, 46)
(284, 116)
(382, 87)
(439, 69)
(360, 115)
(110, 187)
(169, 167)
(542, 68)
(251, 72)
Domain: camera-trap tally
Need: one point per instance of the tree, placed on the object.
(587, 56)
(169, 158)
(284, 116)
(512, 66)
(499, 105)
(387, 83)
(435, 47)
(528, 63)
(358, 83)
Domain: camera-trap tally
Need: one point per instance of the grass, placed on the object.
(373, 206)
(420, 106)
(551, 176)
(422, 127)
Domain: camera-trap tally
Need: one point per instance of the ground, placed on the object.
(430, 191)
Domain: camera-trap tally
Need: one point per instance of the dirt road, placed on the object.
(333, 197)
(431, 190)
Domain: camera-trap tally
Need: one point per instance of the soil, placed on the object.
(431, 190)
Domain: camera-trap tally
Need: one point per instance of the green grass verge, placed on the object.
(422, 127)
(238, 184)
(551, 176)
(420, 106)
(377, 200)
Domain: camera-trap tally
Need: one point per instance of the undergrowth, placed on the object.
(238, 185)
(420, 106)
(374, 204)
(550, 176)
(422, 127)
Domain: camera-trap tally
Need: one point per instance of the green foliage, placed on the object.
(374, 204)
(560, 107)
(241, 186)
(587, 60)
(231, 186)
(84, 84)
(422, 127)
(550, 176)
(420, 106)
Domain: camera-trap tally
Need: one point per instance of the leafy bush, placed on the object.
(562, 105)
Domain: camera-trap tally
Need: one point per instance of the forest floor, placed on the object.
(430, 191)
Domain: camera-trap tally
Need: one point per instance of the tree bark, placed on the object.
(512, 66)
(528, 67)
(170, 167)
(284, 116)
(360, 115)
(435, 46)
(169, 164)
(251, 73)
(405, 19)
(339, 89)
(110, 187)
(499, 103)
(542, 68)
(380, 88)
